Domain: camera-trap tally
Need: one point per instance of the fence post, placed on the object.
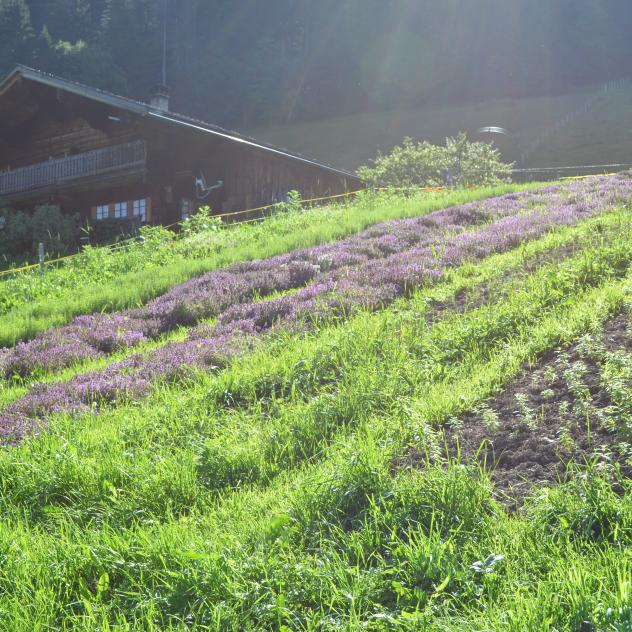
(41, 257)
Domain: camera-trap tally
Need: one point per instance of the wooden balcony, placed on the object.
(123, 159)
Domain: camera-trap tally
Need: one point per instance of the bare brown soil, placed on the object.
(536, 430)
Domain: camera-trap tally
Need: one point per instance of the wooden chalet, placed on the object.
(108, 157)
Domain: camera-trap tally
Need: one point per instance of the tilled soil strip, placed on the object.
(522, 437)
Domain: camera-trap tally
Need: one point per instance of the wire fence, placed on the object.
(568, 118)
(542, 174)
(263, 212)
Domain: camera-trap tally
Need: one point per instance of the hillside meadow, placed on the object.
(599, 136)
(103, 279)
(403, 413)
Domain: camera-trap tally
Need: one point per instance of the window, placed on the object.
(103, 212)
(139, 209)
(120, 210)
(186, 208)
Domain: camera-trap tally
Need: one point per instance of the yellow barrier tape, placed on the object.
(596, 175)
(121, 246)
(263, 208)
(22, 269)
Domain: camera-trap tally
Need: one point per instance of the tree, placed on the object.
(245, 62)
(460, 163)
(17, 38)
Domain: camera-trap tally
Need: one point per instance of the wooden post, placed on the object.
(41, 258)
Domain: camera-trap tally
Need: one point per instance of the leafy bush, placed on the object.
(20, 232)
(15, 233)
(201, 222)
(58, 232)
(293, 203)
(460, 163)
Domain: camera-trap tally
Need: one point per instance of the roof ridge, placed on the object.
(145, 109)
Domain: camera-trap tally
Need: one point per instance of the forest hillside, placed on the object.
(240, 63)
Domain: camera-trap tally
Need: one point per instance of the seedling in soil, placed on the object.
(456, 425)
(490, 418)
(526, 413)
(590, 347)
(566, 442)
(607, 418)
(563, 409)
(573, 376)
(549, 374)
(548, 394)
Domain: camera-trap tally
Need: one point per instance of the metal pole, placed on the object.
(41, 257)
(164, 46)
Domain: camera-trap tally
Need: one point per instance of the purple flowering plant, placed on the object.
(367, 271)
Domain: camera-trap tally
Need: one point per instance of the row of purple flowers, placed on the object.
(97, 335)
(367, 271)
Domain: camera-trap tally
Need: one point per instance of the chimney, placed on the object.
(160, 98)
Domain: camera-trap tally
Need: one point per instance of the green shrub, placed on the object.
(293, 203)
(20, 232)
(460, 163)
(201, 222)
(15, 233)
(58, 232)
(110, 230)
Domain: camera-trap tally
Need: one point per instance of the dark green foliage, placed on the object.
(22, 232)
(460, 163)
(232, 61)
(58, 232)
(15, 232)
(110, 230)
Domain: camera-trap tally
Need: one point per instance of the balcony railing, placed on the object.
(61, 171)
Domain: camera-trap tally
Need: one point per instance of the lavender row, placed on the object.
(97, 335)
(373, 285)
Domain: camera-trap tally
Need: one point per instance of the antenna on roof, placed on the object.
(164, 44)
(160, 94)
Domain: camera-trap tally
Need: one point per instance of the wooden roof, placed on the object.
(20, 81)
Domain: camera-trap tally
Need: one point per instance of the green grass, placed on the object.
(104, 281)
(265, 497)
(601, 136)
(605, 229)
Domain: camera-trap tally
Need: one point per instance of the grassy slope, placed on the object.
(560, 239)
(69, 293)
(604, 135)
(264, 497)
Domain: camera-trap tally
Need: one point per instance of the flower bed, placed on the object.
(367, 271)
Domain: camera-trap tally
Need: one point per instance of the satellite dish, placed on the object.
(492, 130)
(202, 190)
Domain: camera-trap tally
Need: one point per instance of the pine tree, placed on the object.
(17, 38)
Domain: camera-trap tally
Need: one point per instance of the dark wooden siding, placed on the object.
(49, 138)
(45, 124)
(254, 178)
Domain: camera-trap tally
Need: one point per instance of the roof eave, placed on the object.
(74, 88)
(164, 116)
(144, 109)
